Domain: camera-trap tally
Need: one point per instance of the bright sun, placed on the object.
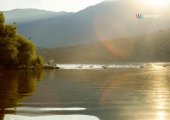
(157, 4)
(153, 5)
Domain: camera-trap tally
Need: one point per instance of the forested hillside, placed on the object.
(154, 47)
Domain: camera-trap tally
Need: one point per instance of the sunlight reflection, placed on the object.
(159, 90)
(161, 115)
(51, 117)
(158, 66)
(160, 105)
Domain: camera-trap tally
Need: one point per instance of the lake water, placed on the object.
(116, 93)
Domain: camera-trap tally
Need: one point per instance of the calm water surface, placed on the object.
(110, 94)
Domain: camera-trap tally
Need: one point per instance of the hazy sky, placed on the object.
(51, 5)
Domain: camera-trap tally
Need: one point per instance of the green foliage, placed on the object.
(26, 50)
(16, 50)
(9, 31)
(8, 51)
(38, 61)
(2, 20)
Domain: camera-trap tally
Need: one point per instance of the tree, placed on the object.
(2, 22)
(26, 49)
(8, 52)
(38, 61)
(15, 50)
(9, 31)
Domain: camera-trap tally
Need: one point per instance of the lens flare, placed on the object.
(107, 30)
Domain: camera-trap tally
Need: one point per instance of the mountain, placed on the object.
(153, 47)
(21, 16)
(104, 21)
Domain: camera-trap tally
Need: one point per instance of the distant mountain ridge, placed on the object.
(29, 15)
(104, 21)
